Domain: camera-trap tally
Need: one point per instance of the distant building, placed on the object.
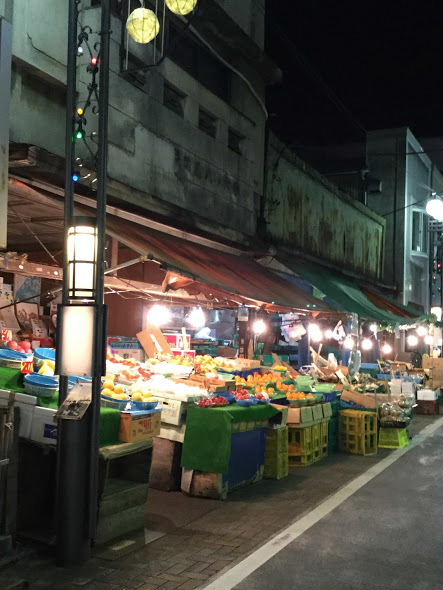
(408, 178)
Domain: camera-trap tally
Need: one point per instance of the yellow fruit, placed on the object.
(137, 397)
(108, 392)
(119, 389)
(108, 384)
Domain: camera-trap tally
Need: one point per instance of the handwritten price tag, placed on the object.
(6, 335)
(27, 367)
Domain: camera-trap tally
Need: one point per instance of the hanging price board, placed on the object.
(27, 366)
(6, 335)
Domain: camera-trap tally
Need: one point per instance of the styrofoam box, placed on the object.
(26, 404)
(408, 387)
(44, 429)
(426, 395)
(173, 410)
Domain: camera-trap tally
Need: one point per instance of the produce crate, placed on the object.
(277, 440)
(427, 407)
(333, 434)
(308, 444)
(327, 410)
(358, 432)
(335, 407)
(276, 467)
(330, 397)
(393, 438)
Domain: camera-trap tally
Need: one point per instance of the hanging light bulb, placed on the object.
(429, 340)
(181, 6)
(412, 340)
(434, 208)
(422, 330)
(386, 348)
(348, 343)
(373, 328)
(329, 334)
(315, 334)
(142, 25)
(366, 344)
(258, 327)
(197, 318)
(159, 315)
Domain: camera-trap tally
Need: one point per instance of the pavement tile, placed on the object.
(189, 585)
(172, 578)
(199, 566)
(197, 576)
(178, 568)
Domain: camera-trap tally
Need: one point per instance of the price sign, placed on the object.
(6, 335)
(27, 367)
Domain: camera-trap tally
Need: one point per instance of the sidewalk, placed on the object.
(198, 539)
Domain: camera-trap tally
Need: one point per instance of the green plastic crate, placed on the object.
(393, 438)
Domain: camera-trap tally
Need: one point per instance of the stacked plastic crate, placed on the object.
(276, 458)
(308, 440)
(358, 432)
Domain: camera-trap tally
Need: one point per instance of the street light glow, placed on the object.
(315, 334)
(258, 327)
(159, 315)
(434, 208)
(412, 340)
(348, 343)
(366, 344)
(386, 348)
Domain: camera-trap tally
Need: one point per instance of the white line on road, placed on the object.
(247, 566)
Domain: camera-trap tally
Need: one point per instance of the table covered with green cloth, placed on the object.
(207, 444)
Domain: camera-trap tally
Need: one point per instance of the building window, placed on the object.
(207, 122)
(419, 232)
(188, 53)
(173, 99)
(235, 141)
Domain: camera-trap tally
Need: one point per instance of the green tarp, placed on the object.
(347, 295)
(207, 444)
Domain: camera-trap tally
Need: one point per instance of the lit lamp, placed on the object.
(258, 327)
(434, 208)
(181, 6)
(142, 25)
(81, 251)
(76, 320)
(159, 315)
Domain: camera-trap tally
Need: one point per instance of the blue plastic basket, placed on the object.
(330, 397)
(137, 405)
(352, 406)
(244, 374)
(247, 402)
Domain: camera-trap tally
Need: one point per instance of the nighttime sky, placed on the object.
(382, 58)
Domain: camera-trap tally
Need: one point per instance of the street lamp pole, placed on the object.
(78, 440)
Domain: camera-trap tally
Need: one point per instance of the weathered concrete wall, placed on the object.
(152, 149)
(307, 213)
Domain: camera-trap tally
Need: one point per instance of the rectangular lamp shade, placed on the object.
(75, 341)
(81, 251)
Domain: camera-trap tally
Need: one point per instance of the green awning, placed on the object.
(347, 295)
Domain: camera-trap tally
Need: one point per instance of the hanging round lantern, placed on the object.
(181, 6)
(142, 25)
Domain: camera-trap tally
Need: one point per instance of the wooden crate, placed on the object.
(165, 468)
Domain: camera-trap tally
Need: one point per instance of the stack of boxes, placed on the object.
(434, 369)
(276, 458)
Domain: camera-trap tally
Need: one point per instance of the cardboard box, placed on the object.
(179, 341)
(171, 432)
(26, 404)
(180, 352)
(142, 425)
(367, 400)
(427, 394)
(431, 363)
(43, 428)
(153, 341)
(127, 347)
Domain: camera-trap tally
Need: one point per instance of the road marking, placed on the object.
(247, 566)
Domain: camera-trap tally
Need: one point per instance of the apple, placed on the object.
(26, 345)
(13, 344)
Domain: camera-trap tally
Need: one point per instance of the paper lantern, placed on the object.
(142, 25)
(181, 6)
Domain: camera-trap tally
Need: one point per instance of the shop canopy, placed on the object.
(349, 297)
(227, 272)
